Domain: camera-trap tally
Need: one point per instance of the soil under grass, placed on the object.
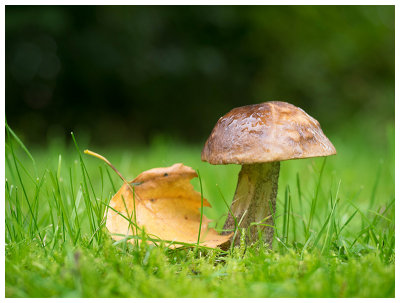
(334, 225)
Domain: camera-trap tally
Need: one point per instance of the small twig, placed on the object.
(130, 185)
(89, 152)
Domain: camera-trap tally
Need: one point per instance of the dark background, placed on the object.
(127, 73)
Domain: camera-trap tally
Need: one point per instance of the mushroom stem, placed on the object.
(254, 202)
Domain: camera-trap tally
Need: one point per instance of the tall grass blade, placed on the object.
(201, 209)
(375, 187)
(286, 216)
(328, 237)
(23, 187)
(20, 143)
(84, 186)
(314, 201)
(347, 221)
(111, 181)
(299, 194)
(227, 206)
(78, 227)
(66, 216)
(327, 221)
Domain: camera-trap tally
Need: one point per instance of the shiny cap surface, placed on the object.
(265, 132)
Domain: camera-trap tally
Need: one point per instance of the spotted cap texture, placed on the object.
(266, 132)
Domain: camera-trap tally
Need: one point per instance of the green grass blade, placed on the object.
(20, 143)
(23, 188)
(314, 201)
(201, 208)
(228, 207)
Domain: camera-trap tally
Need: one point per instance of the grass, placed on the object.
(334, 224)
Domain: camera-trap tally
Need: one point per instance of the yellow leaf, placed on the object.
(166, 205)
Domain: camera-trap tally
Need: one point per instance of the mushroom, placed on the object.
(258, 137)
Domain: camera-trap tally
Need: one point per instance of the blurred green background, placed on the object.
(129, 74)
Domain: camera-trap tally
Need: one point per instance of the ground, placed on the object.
(334, 225)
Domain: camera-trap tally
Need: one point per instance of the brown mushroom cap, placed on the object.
(266, 132)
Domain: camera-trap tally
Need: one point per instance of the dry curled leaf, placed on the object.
(166, 206)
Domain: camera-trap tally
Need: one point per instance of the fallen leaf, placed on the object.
(165, 205)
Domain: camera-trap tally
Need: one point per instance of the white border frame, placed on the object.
(180, 2)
